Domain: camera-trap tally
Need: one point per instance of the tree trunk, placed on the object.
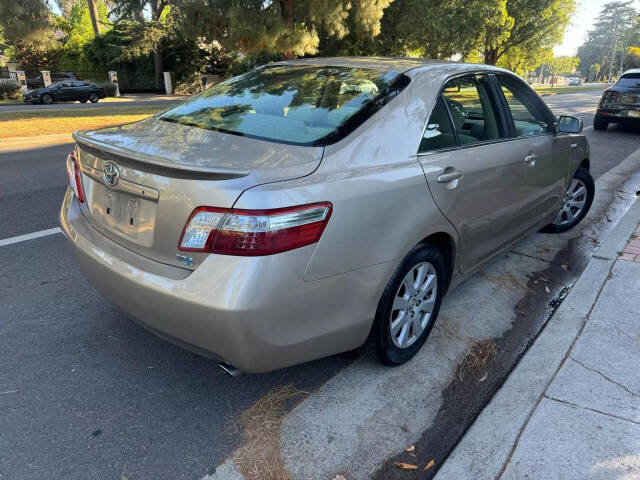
(491, 56)
(159, 66)
(93, 13)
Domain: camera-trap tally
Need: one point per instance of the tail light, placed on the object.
(254, 232)
(611, 97)
(75, 179)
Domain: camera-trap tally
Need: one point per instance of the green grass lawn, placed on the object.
(548, 90)
(55, 121)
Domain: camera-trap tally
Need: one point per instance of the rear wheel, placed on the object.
(47, 99)
(600, 123)
(575, 203)
(93, 98)
(408, 308)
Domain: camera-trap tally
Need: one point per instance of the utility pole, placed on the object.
(613, 48)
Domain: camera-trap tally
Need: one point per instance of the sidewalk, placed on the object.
(571, 408)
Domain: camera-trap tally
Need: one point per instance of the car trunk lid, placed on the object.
(142, 180)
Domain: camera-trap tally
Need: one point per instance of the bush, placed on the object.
(10, 91)
(109, 88)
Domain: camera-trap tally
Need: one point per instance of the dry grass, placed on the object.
(45, 122)
(506, 280)
(259, 456)
(477, 358)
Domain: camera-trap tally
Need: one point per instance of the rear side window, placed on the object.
(473, 110)
(297, 104)
(630, 80)
(528, 115)
(439, 132)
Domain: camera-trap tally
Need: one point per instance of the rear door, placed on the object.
(472, 173)
(544, 156)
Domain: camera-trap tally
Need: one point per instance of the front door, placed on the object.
(471, 171)
(545, 156)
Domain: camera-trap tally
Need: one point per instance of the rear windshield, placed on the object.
(302, 105)
(630, 80)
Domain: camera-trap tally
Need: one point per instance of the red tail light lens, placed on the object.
(75, 176)
(254, 232)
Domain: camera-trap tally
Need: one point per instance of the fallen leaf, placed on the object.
(565, 266)
(339, 477)
(410, 449)
(406, 466)
(484, 377)
(429, 465)
(546, 289)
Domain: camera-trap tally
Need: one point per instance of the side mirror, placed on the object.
(568, 124)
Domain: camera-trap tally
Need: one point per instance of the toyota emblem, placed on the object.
(110, 174)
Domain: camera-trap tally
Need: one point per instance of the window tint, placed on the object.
(439, 132)
(526, 111)
(472, 109)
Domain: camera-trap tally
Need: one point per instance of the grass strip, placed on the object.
(28, 123)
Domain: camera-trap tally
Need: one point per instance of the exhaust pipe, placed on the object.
(229, 370)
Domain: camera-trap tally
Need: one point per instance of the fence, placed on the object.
(8, 77)
(34, 77)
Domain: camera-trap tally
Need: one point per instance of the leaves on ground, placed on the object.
(431, 463)
(406, 466)
(410, 449)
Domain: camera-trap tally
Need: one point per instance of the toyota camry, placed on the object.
(315, 206)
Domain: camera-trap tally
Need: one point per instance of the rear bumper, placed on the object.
(254, 313)
(619, 115)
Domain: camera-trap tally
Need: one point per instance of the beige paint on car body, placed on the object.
(266, 312)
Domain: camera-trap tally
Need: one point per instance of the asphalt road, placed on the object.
(86, 393)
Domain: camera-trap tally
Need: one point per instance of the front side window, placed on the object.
(439, 132)
(473, 110)
(528, 117)
(297, 104)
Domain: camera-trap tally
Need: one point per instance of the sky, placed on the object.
(586, 13)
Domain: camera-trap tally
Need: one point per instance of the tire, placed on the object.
(93, 98)
(600, 123)
(46, 99)
(84, 100)
(563, 222)
(382, 345)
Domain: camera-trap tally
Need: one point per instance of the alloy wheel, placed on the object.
(413, 304)
(572, 203)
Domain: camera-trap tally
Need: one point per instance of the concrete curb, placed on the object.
(486, 448)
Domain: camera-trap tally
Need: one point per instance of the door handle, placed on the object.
(447, 177)
(530, 160)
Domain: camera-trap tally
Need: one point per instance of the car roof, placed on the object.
(385, 64)
(632, 70)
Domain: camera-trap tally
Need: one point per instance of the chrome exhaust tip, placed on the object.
(229, 369)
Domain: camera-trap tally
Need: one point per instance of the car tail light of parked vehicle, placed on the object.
(610, 97)
(254, 232)
(74, 175)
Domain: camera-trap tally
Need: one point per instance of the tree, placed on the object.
(25, 20)
(285, 27)
(594, 71)
(93, 13)
(562, 64)
(528, 26)
(615, 28)
(632, 59)
(146, 31)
